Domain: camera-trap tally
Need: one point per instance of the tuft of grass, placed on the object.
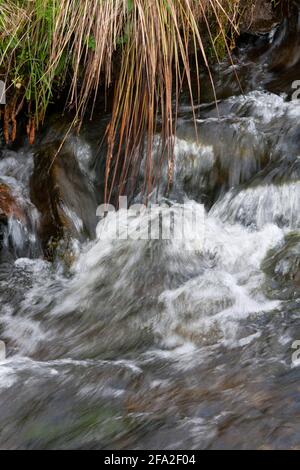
(142, 48)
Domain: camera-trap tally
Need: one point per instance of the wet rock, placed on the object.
(18, 216)
(272, 40)
(11, 214)
(244, 164)
(225, 153)
(283, 58)
(271, 197)
(282, 267)
(260, 16)
(8, 205)
(64, 196)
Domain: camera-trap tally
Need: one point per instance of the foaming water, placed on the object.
(261, 205)
(141, 326)
(165, 342)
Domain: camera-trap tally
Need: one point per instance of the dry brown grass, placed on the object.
(151, 41)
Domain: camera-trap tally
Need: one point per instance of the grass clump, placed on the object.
(142, 48)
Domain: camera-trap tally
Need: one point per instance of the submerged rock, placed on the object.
(282, 267)
(225, 153)
(238, 150)
(259, 205)
(18, 216)
(64, 196)
(243, 164)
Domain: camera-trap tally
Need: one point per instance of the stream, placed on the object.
(157, 344)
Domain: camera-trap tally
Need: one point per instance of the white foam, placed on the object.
(262, 205)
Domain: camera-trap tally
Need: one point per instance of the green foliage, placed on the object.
(91, 43)
(130, 5)
(26, 33)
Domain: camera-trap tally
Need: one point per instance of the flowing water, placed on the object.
(167, 344)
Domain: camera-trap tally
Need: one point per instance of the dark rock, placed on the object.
(8, 205)
(64, 196)
(260, 16)
(282, 266)
(229, 152)
(12, 214)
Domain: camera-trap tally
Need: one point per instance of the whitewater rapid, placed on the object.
(171, 343)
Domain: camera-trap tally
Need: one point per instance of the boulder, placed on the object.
(282, 267)
(64, 196)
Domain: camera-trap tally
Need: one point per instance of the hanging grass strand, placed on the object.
(142, 48)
